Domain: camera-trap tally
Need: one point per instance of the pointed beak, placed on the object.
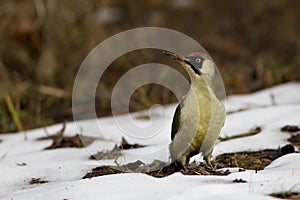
(182, 60)
(176, 57)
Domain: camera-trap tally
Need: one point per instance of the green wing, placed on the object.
(176, 121)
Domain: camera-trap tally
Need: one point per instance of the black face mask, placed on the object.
(196, 63)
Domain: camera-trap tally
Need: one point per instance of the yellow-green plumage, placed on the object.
(198, 119)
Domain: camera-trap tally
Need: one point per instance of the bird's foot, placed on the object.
(177, 166)
(209, 164)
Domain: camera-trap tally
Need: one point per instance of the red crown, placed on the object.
(199, 54)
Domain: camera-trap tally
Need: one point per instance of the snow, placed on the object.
(288, 93)
(270, 119)
(64, 168)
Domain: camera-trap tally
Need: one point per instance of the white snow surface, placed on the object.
(21, 160)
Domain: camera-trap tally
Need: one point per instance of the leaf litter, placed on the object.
(287, 195)
(256, 160)
(295, 138)
(59, 140)
(116, 151)
(37, 181)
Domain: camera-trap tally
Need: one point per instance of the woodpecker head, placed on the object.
(196, 64)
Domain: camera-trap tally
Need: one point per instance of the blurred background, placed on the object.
(255, 45)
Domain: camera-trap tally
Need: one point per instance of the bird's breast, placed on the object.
(201, 120)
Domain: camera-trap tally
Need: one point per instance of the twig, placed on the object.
(62, 131)
(5, 153)
(40, 8)
(251, 132)
(273, 99)
(46, 131)
(14, 114)
(58, 133)
(59, 93)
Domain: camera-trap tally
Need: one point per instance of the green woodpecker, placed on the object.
(200, 116)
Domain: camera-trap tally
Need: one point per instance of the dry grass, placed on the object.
(255, 45)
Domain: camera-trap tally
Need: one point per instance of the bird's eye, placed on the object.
(198, 60)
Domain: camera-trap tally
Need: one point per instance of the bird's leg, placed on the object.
(180, 164)
(183, 160)
(207, 159)
(177, 166)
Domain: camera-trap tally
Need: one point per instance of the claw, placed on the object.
(207, 159)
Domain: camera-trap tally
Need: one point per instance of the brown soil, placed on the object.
(239, 181)
(290, 128)
(295, 140)
(287, 195)
(295, 137)
(37, 181)
(257, 160)
(156, 169)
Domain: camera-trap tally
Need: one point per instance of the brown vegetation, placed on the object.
(255, 44)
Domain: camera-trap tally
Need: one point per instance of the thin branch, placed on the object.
(251, 132)
(14, 114)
